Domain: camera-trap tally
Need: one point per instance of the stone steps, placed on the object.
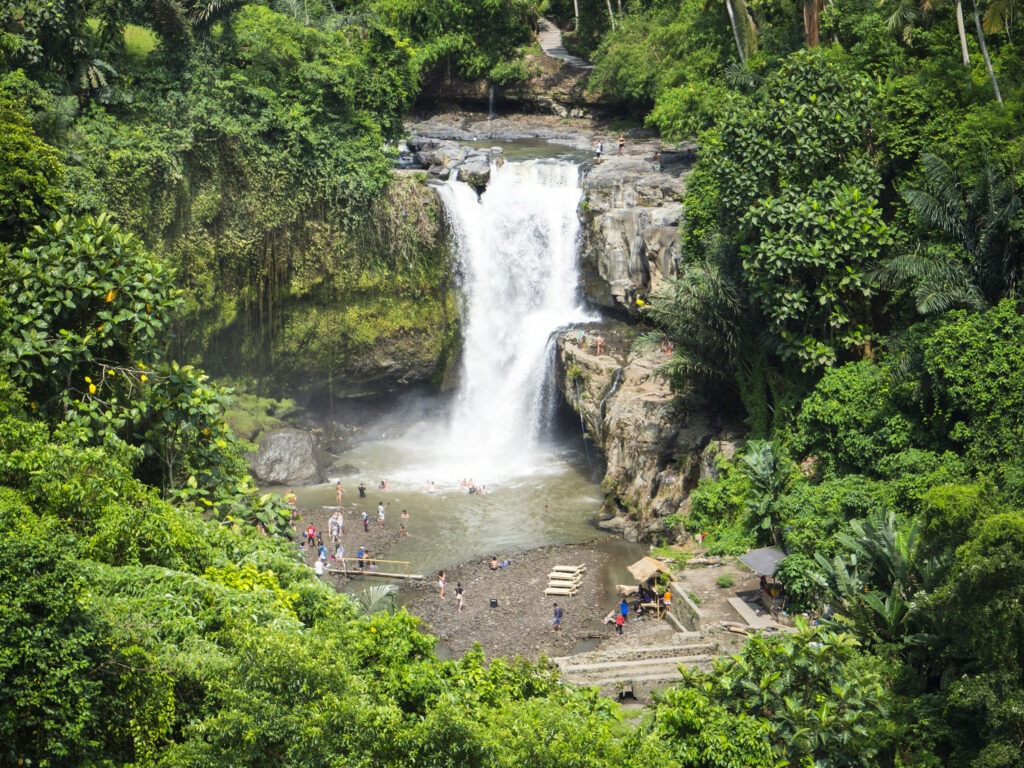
(635, 663)
(653, 678)
(649, 666)
(610, 675)
(749, 615)
(650, 652)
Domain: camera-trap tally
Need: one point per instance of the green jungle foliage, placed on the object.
(186, 182)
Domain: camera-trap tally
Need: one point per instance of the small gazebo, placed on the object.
(646, 568)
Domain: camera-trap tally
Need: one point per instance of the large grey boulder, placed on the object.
(475, 170)
(287, 457)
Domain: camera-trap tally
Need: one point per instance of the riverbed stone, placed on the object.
(475, 170)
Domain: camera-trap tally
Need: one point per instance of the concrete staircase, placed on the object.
(550, 40)
(613, 668)
(752, 617)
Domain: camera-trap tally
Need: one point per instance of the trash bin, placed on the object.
(494, 602)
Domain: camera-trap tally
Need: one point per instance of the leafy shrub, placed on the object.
(799, 575)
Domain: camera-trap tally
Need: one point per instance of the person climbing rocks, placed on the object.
(598, 150)
(622, 144)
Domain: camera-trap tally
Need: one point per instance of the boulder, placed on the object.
(475, 170)
(287, 457)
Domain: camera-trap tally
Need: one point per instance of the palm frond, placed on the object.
(377, 598)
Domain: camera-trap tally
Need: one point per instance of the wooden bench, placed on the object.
(570, 568)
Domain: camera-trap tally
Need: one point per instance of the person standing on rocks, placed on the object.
(366, 522)
(622, 144)
(624, 609)
(598, 150)
(620, 620)
(459, 595)
(441, 583)
(556, 621)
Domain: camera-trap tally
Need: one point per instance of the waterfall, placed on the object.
(517, 254)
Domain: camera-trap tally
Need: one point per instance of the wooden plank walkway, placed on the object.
(379, 574)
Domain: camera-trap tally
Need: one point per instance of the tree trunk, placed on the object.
(576, 10)
(984, 52)
(963, 34)
(812, 22)
(611, 15)
(736, 32)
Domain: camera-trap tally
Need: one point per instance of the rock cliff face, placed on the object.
(631, 214)
(657, 446)
(552, 88)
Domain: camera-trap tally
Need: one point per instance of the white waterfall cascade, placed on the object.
(518, 250)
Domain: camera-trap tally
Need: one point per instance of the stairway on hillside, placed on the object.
(550, 39)
(631, 666)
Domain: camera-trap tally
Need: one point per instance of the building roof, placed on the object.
(646, 567)
(763, 561)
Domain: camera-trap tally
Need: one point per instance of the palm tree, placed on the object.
(999, 16)
(877, 579)
(744, 31)
(983, 264)
(771, 474)
(702, 312)
(908, 11)
(984, 52)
